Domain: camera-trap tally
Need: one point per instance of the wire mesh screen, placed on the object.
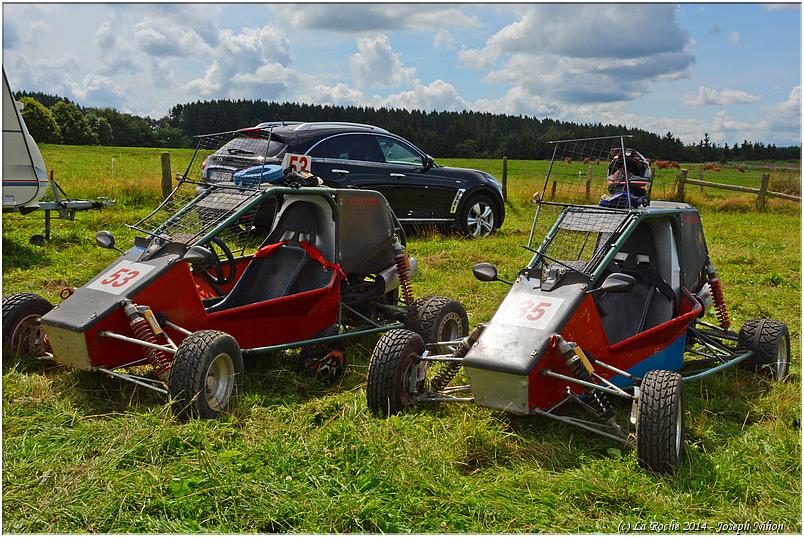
(579, 170)
(208, 192)
(583, 238)
(578, 175)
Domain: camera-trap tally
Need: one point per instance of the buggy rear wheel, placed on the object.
(660, 422)
(391, 382)
(207, 371)
(436, 318)
(22, 325)
(770, 341)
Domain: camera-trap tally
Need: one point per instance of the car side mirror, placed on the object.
(199, 257)
(427, 162)
(616, 283)
(105, 239)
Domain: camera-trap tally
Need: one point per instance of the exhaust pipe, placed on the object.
(389, 278)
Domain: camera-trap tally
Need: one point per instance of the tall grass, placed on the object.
(85, 453)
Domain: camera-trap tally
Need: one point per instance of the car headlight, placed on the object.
(494, 181)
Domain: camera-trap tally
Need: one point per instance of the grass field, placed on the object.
(84, 453)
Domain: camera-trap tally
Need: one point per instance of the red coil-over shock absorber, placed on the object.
(721, 311)
(144, 331)
(403, 270)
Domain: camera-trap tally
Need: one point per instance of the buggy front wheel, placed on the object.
(660, 422)
(22, 325)
(392, 373)
(207, 371)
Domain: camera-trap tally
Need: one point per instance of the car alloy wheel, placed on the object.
(480, 219)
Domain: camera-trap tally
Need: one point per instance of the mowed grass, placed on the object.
(85, 453)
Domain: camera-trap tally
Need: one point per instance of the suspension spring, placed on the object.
(595, 398)
(142, 330)
(721, 311)
(449, 369)
(403, 269)
(158, 358)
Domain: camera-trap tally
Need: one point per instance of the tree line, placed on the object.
(52, 119)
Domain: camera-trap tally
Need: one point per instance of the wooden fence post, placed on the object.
(763, 190)
(553, 191)
(167, 184)
(589, 184)
(505, 179)
(681, 178)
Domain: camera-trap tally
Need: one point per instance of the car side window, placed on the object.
(395, 152)
(349, 147)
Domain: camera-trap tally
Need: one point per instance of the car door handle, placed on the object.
(397, 174)
(344, 172)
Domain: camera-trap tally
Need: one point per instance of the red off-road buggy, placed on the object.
(610, 305)
(232, 272)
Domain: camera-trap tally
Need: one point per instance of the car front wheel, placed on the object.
(479, 216)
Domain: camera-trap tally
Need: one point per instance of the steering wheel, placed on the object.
(215, 274)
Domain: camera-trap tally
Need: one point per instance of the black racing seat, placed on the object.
(286, 269)
(649, 303)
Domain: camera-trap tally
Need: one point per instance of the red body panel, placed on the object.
(177, 295)
(586, 329)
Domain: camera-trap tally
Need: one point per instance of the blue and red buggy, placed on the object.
(611, 305)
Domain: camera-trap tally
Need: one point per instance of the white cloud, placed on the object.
(339, 94)
(779, 7)
(375, 63)
(251, 64)
(105, 35)
(734, 38)
(359, 18)
(443, 39)
(438, 95)
(95, 88)
(708, 96)
(590, 55)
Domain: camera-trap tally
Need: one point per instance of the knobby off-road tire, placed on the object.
(436, 318)
(660, 426)
(388, 384)
(22, 332)
(479, 216)
(207, 371)
(770, 341)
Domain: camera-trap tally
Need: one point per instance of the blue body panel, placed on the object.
(671, 358)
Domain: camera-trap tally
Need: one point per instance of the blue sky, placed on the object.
(732, 70)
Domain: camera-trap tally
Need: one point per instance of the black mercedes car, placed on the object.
(349, 155)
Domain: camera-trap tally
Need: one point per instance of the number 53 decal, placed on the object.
(120, 277)
(528, 311)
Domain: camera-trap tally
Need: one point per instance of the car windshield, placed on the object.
(247, 146)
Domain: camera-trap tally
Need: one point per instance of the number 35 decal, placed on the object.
(529, 311)
(534, 312)
(120, 277)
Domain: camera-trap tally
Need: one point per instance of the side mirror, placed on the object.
(199, 257)
(105, 239)
(485, 272)
(427, 163)
(616, 283)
